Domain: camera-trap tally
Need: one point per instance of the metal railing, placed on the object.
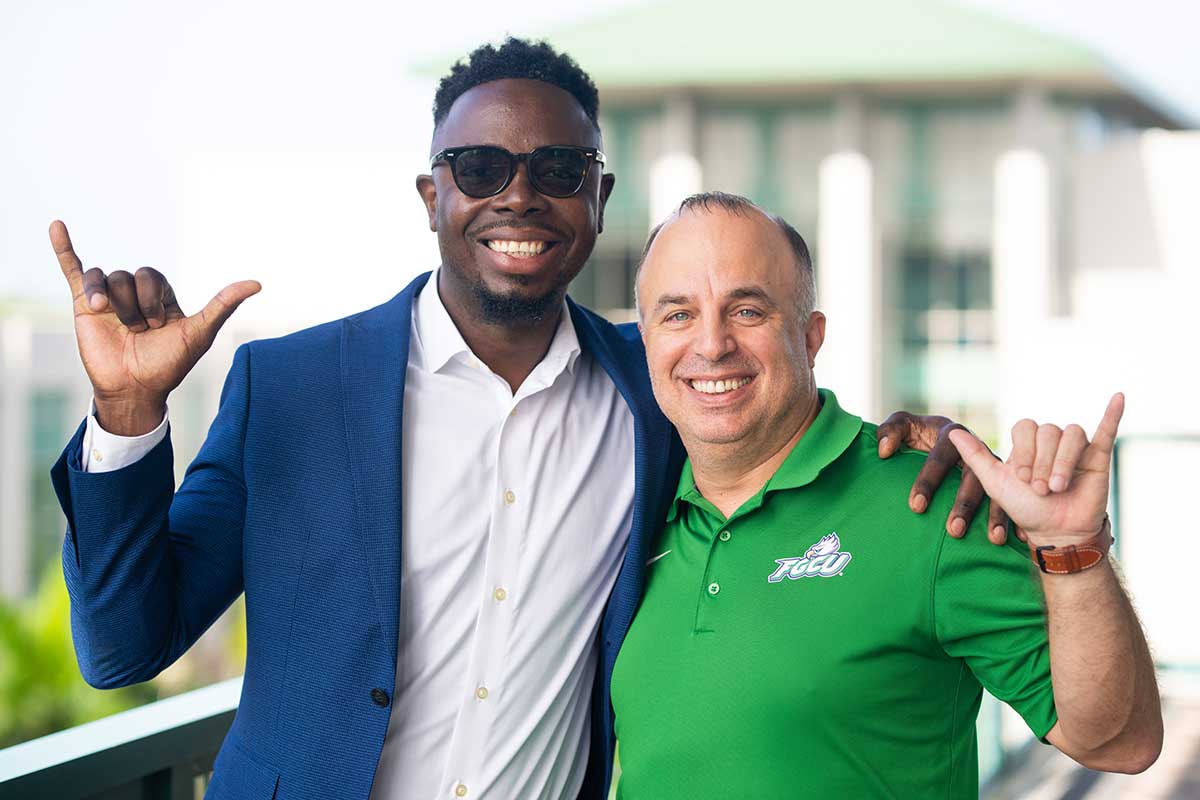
(160, 751)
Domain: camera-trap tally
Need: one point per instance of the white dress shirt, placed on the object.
(516, 513)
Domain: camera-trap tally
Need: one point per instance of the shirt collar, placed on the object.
(440, 340)
(831, 432)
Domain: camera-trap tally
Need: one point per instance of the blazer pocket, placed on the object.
(237, 776)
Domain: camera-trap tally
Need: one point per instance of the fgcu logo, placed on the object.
(821, 561)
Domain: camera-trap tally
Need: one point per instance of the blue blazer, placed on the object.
(294, 498)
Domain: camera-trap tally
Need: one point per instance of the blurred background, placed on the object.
(1002, 199)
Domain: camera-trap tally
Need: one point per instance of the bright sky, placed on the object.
(279, 140)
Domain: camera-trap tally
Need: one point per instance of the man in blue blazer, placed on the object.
(480, 425)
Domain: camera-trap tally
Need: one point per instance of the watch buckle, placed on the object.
(1041, 561)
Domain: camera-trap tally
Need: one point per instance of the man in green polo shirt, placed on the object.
(801, 634)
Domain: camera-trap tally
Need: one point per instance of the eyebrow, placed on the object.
(740, 293)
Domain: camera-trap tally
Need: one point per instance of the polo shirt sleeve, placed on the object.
(988, 610)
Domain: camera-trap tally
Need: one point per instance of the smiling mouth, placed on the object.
(719, 387)
(515, 249)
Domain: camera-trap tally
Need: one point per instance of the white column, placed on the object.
(16, 367)
(848, 283)
(676, 173)
(1022, 269)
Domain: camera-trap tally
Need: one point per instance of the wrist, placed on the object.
(130, 416)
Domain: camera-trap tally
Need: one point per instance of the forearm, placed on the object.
(1105, 691)
(116, 565)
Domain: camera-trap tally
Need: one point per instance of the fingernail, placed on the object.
(883, 440)
(919, 504)
(998, 532)
(958, 526)
(153, 323)
(96, 302)
(1058, 483)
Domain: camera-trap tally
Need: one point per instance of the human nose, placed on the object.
(714, 340)
(519, 197)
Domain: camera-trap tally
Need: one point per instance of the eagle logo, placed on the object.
(824, 559)
(828, 544)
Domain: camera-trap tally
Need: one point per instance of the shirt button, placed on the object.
(723, 536)
(379, 697)
(714, 588)
(482, 693)
(96, 456)
(500, 594)
(509, 497)
(460, 790)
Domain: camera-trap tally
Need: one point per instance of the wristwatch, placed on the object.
(1074, 558)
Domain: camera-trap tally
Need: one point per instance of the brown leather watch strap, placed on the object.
(1074, 558)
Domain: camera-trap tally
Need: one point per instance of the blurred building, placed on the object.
(962, 179)
(43, 398)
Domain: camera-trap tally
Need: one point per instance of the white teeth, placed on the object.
(719, 387)
(519, 249)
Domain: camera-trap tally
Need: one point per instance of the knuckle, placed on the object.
(1024, 425)
(147, 273)
(1074, 431)
(1046, 429)
(945, 426)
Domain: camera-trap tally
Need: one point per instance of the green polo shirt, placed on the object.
(825, 641)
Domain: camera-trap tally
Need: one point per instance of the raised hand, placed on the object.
(932, 434)
(135, 341)
(1044, 458)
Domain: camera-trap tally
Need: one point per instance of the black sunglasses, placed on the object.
(485, 171)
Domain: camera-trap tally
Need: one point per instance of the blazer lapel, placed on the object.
(374, 357)
(656, 464)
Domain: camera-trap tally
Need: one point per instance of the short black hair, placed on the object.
(517, 58)
(743, 206)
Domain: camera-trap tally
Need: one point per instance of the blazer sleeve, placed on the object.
(147, 569)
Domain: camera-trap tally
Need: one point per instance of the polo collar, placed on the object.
(831, 432)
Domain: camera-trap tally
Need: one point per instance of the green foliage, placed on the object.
(41, 690)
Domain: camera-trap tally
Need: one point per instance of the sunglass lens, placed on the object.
(557, 171)
(481, 171)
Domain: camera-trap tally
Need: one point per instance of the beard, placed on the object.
(515, 308)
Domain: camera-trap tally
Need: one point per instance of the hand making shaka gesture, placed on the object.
(135, 341)
(1055, 482)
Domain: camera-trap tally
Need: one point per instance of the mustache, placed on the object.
(516, 226)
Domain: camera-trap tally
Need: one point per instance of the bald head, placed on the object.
(778, 235)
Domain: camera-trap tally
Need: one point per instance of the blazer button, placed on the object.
(379, 697)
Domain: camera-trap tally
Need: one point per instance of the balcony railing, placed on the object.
(160, 751)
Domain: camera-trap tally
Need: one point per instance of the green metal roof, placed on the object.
(712, 43)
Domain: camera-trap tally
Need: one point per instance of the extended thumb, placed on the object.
(973, 453)
(226, 301)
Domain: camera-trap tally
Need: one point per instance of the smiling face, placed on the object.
(730, 358)
(508, 259)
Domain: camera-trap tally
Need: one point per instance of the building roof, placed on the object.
(813, 44)
(766, 42)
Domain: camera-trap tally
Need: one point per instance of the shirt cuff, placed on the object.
(107, 452)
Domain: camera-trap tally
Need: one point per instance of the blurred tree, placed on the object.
(41, 690)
